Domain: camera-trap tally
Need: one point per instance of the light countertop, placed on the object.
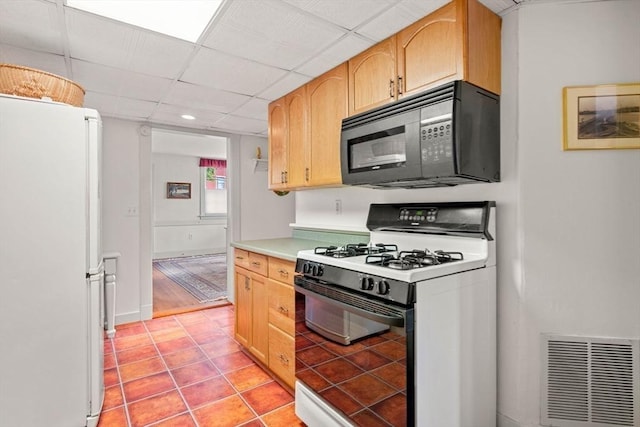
(284, 248)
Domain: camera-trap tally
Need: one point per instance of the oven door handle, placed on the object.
(396, 320)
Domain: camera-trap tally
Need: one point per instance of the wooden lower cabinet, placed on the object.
(282, 356)
(265, 310)
(252, 313)
(243, 325)
(259, 318)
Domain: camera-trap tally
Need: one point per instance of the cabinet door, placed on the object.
(430, 51)
(278, 154)
(282, 310)
(327, 97)
(260, 318)
(243, 306)
(372, 77)
(282, 355)
(297, 137)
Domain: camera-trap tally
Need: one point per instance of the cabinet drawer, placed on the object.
(258, 263)
(282, 270)
(281, 355)
(282, 306)
(241, 258)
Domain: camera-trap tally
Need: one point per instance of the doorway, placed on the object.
(189, 221)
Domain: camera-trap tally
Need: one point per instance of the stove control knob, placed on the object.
(306, 268)
(383, 287)
(366, 283)
(317, 270)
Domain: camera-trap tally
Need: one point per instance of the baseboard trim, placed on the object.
(176, 254)
(130, 317)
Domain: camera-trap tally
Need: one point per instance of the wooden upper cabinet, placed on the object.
(430, 51)
(327, 103)
(372, 77)
(484, 44)
(297, 137)
(278, 152)
(459, 41)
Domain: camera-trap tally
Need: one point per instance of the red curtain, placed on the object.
(219, 165)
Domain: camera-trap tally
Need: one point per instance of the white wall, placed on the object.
(178, 229)
(121, 192)
(568, 222)
(579, 210)
(127, 178)
(263, 214)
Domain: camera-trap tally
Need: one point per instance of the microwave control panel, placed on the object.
(436, 142)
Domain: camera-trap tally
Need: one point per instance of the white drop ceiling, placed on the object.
(252, 52)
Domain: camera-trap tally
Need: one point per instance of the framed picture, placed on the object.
(601, 117)
(178, 190)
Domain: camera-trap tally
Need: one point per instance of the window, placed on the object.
(213, 200)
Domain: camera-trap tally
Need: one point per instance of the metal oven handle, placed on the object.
(371, 310)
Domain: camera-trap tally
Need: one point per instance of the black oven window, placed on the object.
(386, 148)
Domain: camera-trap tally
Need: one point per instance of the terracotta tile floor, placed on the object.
(186, 371)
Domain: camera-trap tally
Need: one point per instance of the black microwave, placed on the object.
(441, 137)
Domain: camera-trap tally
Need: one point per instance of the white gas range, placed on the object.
(427, 280)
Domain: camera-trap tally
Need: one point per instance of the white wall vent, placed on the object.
(591, 382)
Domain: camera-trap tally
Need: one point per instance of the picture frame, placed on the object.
(178, 190)
(601, 117)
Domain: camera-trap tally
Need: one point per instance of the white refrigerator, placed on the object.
(51, 269)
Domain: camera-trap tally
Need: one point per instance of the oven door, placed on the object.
(368, 382)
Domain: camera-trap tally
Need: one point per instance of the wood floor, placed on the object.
(169, 298)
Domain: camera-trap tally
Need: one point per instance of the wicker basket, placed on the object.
(32, 83)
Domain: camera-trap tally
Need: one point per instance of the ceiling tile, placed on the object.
(204, 98)
(283, 86)
(241, 124)
(135, 108)
(347, 14)
(399, 17)
(39, 60)
(270, 32)
(169, 113)
(124, 46)
(221, 71)
(256, 108)
(347, 47)
(500, 5)
(420, 8)
(99, 78)
(106, 104)
(31, 24)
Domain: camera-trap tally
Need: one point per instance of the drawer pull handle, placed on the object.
(283, 272)
(256, 263)
(283, 310)
(283, 359)
(239, 257)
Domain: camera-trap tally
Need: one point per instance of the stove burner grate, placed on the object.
(408, 260)
(354, 249)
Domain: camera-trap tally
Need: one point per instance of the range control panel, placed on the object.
(426, 214)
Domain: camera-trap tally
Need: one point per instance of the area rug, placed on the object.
(204, 277)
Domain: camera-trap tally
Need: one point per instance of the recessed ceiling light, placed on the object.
(178, 18)
(188, 117)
